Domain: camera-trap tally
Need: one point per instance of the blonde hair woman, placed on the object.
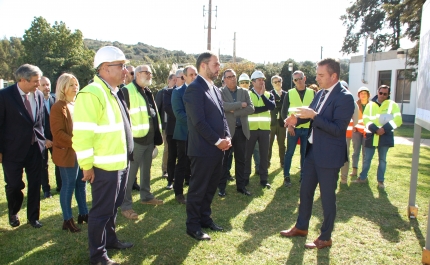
(63, 155)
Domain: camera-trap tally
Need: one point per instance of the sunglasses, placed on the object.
(383, 94)
(277, 82)
(297, 79)
(243, 82)
(230, 77)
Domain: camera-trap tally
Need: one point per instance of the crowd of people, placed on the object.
(107, 131)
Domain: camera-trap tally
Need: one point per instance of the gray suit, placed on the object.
(238, 138)
(229, 105)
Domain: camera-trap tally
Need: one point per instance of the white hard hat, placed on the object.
(154, 152)
(257, 74)
(244, 77)
(344, 84)
(363, 88)
(108, 54)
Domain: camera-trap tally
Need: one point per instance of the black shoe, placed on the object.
(287, 182)
(222, 193)
(213, 227)
(230, 178)
(265, 185)
(169, 185)
(83, 218)
(105, 262)
(120, 245)
(35, 224)
(47, 194)
(199, 235)
(136, 186)
(244, 191)
(14, 220)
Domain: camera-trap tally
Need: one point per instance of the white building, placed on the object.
(384, 68)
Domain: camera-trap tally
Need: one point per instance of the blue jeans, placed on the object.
(301, 133)
(368, 155)
(71, 178)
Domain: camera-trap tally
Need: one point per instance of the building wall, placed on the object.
(380, 62)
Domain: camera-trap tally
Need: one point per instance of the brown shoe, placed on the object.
(130, 214)
(70, 225)
(319, 244)
(294, 232)
(359, 181)
(181, 199)
(153, 201)
(381, 185)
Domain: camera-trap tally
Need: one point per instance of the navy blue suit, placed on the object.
(206, 125)
(17, 129)
(325, 157)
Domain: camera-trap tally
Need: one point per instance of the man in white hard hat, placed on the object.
(103, 142)
(244, 81)
(259, 126)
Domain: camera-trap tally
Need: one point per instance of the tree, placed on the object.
(55, 50)
(370, 16)
(11, 53)
(240, 68)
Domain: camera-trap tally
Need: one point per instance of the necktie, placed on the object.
(325, 91)
(30, 112)
(215, 97)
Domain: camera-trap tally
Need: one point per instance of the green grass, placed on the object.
(408, 131)
(371, 225)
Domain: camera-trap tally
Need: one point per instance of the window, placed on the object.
(403, 86)
(384, 78)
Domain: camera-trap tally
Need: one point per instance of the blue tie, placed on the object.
(325, 91)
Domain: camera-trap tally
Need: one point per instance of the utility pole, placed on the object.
(209, 22)
(234, 48)
(321, 51)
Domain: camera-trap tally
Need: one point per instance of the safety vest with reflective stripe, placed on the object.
(138, 112)
(373, 112)
(260, 120)
(98, 129)
(296, 102)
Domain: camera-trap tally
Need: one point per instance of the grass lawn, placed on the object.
(371, 225)
(408, 131)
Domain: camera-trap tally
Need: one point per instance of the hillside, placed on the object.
(145, 53)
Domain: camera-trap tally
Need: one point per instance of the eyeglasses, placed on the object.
(180, 77)
(132, 73)
(230, 77)
(244, 82)
(297, 79)
(277, 82)
(123, 66)
(147, 72)
(383, 94)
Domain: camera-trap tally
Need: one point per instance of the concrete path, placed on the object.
(410, 141)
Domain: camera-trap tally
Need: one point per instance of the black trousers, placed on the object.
(182, 168)
(44, 175)
(239, 145)
(327, 179)
(171, 159)
(14, 184)
(205, 176)
(262, 136)
(107, 190)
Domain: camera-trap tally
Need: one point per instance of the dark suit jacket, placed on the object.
(46, 123)
(181, 129)
(329, 127)
(16, 125)
(167, 107)
(206, 123)
(159, 103)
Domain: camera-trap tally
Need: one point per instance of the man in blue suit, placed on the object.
(22, 142)
(180, 134)
(208, 138)
(329, 115)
